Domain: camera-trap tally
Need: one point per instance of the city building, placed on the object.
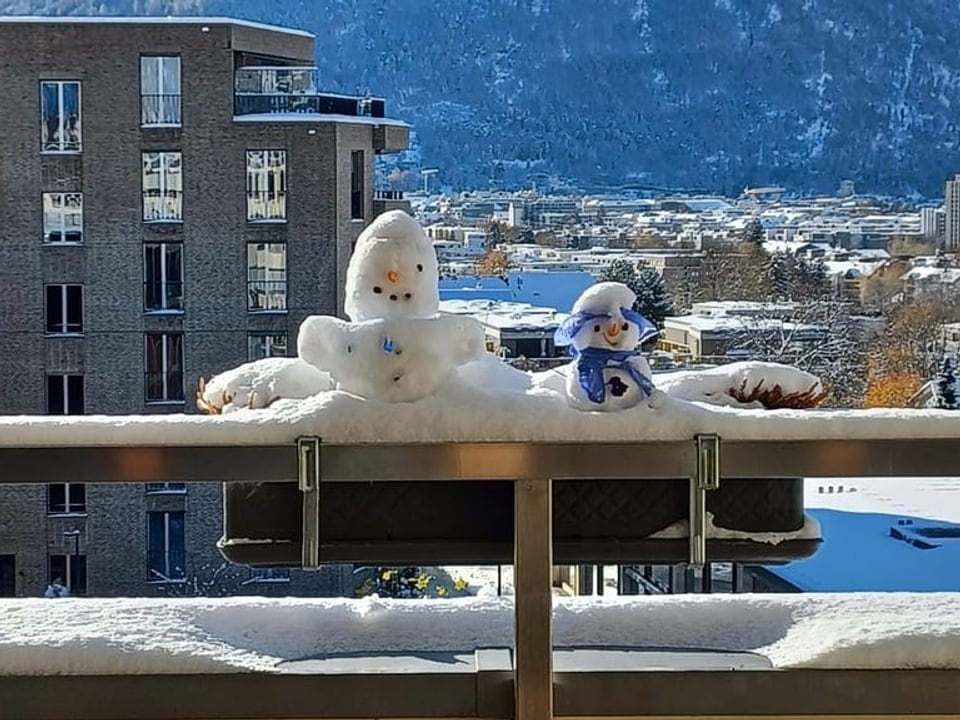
(177, 196)
(951, 208)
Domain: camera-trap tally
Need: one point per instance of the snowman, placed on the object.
(608, 372)
(394, 360)
(393, 271)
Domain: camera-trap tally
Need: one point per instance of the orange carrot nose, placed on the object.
(393, 276)
(613, 329)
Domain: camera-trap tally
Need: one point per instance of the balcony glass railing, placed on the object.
(259, 90)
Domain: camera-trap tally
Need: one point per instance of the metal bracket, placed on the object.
(707, 478)
(308, 477)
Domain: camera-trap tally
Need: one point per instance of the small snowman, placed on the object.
(393, 271)
(394, 360)
(608, 372)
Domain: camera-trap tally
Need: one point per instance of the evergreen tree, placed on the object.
(754, 233)
(947, 386)
(653, 301)
(779, 271)
(810, 281)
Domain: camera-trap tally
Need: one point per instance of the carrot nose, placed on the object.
(613, 329)
(393, 276)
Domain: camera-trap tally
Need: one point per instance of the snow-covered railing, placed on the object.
(267, 450)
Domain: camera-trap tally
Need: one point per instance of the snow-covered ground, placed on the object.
(199, 636)
(861, 519)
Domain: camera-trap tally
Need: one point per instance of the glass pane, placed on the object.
(154, 357)
(156, 546)
(55, 319)
(71, 116)
(152, 277)
(149, 75)
(177, 546)
(55, 395)
(49, 116)
(58, 569)
(74, 308)
(75, 400)
(174, 268)
(57, 498)
(77, 497)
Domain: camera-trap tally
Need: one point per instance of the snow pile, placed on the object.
(714, 385)
(243, 634)
(260, 384)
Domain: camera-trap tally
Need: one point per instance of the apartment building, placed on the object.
(177, 195)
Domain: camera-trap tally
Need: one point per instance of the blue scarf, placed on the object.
(591, 363)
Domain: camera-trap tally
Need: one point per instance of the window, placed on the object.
(266, 346)
(164, 367)
(266, 277)
(62, 218)
(356, 184)
(159, 91)
(71, 569)
(162, 187)
(266, 185)
(64, 309)
(66, 498)
(162, 277)
(166, 552)
(8, 575)
(65, 395)
(60, 116)
(166, 487)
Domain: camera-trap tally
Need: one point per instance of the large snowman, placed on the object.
(608, 372)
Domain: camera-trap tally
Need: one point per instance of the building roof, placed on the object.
(149, 20)
(504, 315)
(313, 117)
(554, 289)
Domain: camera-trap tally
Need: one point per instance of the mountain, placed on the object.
(712, 94)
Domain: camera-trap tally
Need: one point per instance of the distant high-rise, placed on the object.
(951, 206)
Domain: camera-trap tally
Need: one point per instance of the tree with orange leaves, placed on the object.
(893, 391)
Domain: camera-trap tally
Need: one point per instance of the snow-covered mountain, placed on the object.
(714, 94)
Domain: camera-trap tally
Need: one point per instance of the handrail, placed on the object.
(481, 461)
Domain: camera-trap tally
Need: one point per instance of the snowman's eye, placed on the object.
(419, 267)
(377, 289)
(625, 326)
(596, 328)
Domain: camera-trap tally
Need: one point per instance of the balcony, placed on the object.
(538, 679)
(290, 90)
(386, 200)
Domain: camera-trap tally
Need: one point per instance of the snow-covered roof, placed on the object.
(557, 289)
(861, 519)
(149, 20)
(213, 635)
(505, 315)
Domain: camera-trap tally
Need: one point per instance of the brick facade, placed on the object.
(318, 233)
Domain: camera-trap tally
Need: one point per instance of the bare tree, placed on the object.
(820, 337)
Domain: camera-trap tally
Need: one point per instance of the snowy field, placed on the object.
(72, 635)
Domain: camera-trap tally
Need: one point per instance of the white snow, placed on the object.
(858, 552)
(713, 385)
(681, 529)
(486, 401)
(120, 636)
(262, 382)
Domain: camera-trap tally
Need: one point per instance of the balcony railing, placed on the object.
(266, 295)
(388, 195)
(266, 206)
(267, 90)
(160, 110)
(525, 684)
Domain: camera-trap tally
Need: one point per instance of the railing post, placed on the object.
(706, 477)
(308, 464)
(533, 601)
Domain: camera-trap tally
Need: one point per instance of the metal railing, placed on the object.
(525, 686)
(160, 110)
(266, 206)
(266, 295)
(388, 195)
(256, 104)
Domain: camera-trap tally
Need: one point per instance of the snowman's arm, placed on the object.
(464, 338)
(640, 364)
(259, 383)
(320, 339)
